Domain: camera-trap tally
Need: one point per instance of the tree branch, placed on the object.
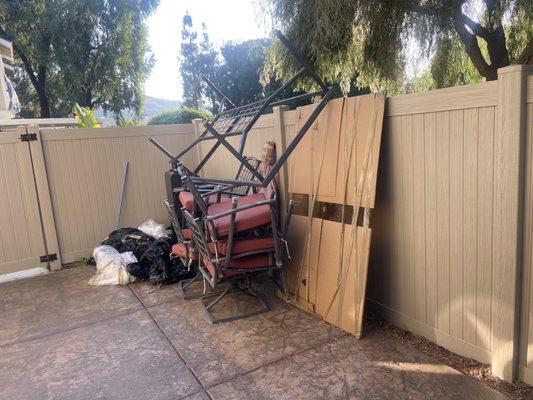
(472, 48)
(475, 27)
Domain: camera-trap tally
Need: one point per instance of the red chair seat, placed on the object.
(240, 246)
(187, 200)
(250, 262)
(183, 250)
(187, 234)
(247, 219)
(255, 261)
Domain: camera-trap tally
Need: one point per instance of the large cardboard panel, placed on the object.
(347, 302)
(336, 153)
(335, 281)
(337, 161)
(319, 146)
(302, 267)
(364, 117)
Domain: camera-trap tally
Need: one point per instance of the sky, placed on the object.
(226, 20)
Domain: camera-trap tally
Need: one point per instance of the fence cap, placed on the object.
(515, 68)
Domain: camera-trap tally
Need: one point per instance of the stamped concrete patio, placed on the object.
(63, 339)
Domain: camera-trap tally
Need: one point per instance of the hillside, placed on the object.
(152, 107)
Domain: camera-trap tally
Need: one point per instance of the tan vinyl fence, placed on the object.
(85, 168)
(526, 278)
(447, 252)
(75, 176)
(21, 239)
(452, 242)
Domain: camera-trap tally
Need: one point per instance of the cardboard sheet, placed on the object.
(337, 161)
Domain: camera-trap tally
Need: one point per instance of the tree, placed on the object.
(197, 59)
(451, 66)
(92, 52)
(237, 76)
(343, 36)
(236, 70)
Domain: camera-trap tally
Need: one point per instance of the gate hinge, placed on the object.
(48, 258)
(28, 137)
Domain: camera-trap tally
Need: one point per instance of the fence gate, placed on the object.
(27, 230)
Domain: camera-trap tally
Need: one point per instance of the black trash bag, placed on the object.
(138, 270)
(156, 265)
(126, 239)
(129, 239)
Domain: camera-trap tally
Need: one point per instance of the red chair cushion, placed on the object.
(187, 234)
(183, 250)
(250, 262)
(243, 246)
(255, 261)
(187, 199)
(247, 219)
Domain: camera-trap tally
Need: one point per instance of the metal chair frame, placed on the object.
(239, 120)
(201, 236)
(209, 300)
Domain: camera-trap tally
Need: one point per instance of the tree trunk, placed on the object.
(38, 81)
(40, 88)
(43, 104)
(497, 47)
(87, 99)
(474, 53)
(494, 37)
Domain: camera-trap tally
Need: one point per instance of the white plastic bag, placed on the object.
(154, 229)
(111, 266)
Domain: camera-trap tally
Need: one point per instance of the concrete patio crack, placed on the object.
(146, 309)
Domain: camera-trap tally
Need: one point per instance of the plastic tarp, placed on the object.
(111, 266)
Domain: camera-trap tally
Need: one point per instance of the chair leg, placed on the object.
(281, 284)
(207, 302)
(184, 288)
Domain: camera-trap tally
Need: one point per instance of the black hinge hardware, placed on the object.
(48, 258)
(28, 137)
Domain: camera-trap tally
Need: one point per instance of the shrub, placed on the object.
(128, 122)
(182, 115)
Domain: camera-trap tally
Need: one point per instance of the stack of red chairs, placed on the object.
(233, 240)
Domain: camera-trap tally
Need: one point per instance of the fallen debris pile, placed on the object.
(144, 255)
(156, 264)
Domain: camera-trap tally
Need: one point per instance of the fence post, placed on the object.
(509, 146)
(43, 197)
(280, 138)
(198, 129)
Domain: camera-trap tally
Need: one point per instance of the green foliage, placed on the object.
(237, 74)
(91, 52)
(128, 122)
(197, 59)
(84, 117)
(182, 115)
(520, 32)
(451, 66)
(342, 37)
(421, 83)
(235, 70)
